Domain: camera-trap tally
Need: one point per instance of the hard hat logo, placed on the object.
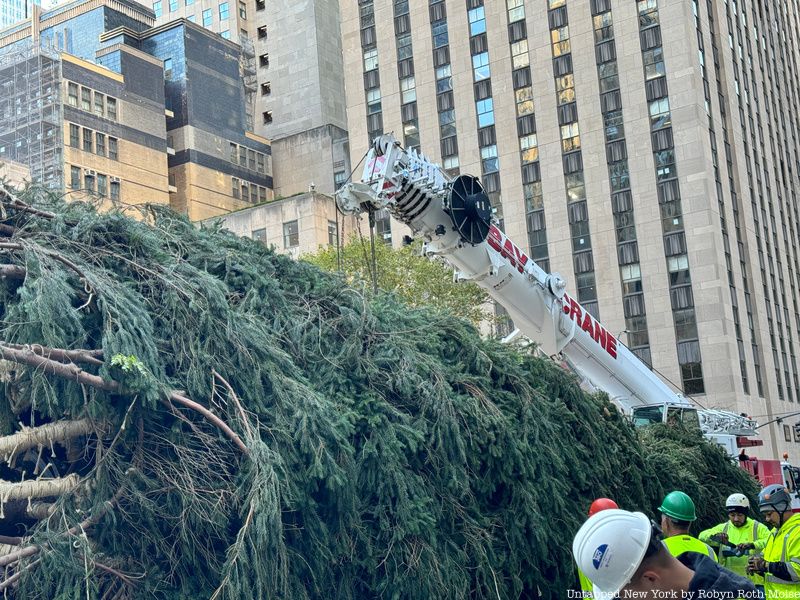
(597, 558)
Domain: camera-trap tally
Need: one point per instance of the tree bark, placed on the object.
(37, 488)
(45, 435)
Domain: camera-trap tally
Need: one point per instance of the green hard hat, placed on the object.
(678, 506)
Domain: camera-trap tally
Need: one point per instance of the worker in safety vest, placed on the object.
(736, 538)
(677, 513)
(623, 554)
(595, 507)
(780, 564)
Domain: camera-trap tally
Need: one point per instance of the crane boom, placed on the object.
(454, 218)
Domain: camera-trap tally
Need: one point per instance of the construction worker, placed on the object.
(594, 508)
(677, 513)
(623, 554)
(780, 564)
(736, 538)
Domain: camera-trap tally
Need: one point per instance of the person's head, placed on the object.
(737, 506)
(621, 551)
(601, 504)
(677, 513)
(774, 504)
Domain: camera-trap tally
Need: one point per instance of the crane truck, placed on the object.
(454, 218)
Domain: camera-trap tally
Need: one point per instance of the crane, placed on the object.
(453, 216)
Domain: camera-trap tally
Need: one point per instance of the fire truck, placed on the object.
(453, 217)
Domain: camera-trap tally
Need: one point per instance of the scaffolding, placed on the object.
(31, 111)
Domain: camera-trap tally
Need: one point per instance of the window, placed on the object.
(245, 191)
(565, 89)
(235, 189)
(450, 162)
(99, 104)
(259, 235)
(86, 98)
(411, 134)
(447, 123)
(173, 5)
(224, 13)
(407, 90)
(100, 144)
(188, 2)
(524, 97)
(529, 148)
(570, 137)
(613, 125)
(112, 148)
(226, 35)
(477, 21)
(74, 135)
(404, 48)
(261, 163)
(87, 140)
(115, 190)
(485, 112)
(489, 160)
(251, 159)
(660, 116)
(167, 67)
(242, 10)
(75, 178)
(267, 116)
(157, 8)
(88, 182)
(370, 59)
(333, 233)
(654, 63)
(111, 108)
(516, 10)
(444, 81)
(243, 156)
(233, 152)
(102, 185)
(339, 178)
(519, 54)
(440, 37)
(560, 39)
(373, 101)
(72, 94)
(480, 66)
(191, 18)
(291, 235)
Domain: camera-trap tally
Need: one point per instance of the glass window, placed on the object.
(291, 235)
(370, 59)
(188, 2)
(245, 191)
(408, 91)
(251, 159)
(485, 112)
(100, 143)
(489, 160)
(111, 108)
(654, 63)
(226, 34)
(529, 148)
(614, 127)
(208, 17)
(157, 8)
(102, 185)
(259, 235)
(99, 104)
(480, 66)
(404, 48)
(223, 12)
(235, 189)
(333, 233)
(477, 21)
(88, 182)
(87, 140)
(75, 178)
(74, 135)
(516, 10)
(167, 67)
(519, 54)
(72, 94)
(450, 162)
(112, 148)
(191, 18)
(373, 101)
(173, 5)
(447, 123)
(261, 163)
(411, 134)
(242, 10)
(524, 98)
(115, 190)
(86, 98)
(440, 37)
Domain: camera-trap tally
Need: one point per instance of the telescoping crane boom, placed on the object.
(454, 218)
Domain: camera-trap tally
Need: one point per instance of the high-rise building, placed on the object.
(12, 11)
(97, 100)
(291, 63)
(647, 150)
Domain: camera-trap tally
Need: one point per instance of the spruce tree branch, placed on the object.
(7, 229)
(10, 540)
(52, 254)
(239, 407)
(80, 355)
(13, 271)
(11, 580)
(18, 204)
(37, 488)
(44, 435)
(73, 372)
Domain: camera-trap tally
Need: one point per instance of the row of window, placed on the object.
(248, 158)
(249, 192)
(223, 9)
(444, 87)
(89, 140)
(91, 100)
(633, 300)
(291, 234)
(89, 181)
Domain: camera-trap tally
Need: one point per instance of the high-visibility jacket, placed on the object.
(678, 544)
(586, 585)
(783, 546)
(750, 531)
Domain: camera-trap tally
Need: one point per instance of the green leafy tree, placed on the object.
(417, 280)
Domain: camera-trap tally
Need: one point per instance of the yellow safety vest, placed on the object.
(586, 585)
(678, 544)
(783, 546)
(751, 531)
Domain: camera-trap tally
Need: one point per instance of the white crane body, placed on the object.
(453, 217)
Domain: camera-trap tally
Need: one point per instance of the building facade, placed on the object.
(646, 150)
(12, 11)
(291, 64)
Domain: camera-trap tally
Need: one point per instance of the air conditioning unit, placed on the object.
(114, 179)
(90, 172)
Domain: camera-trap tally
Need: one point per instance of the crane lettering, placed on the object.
(507, 249)
(585, 321)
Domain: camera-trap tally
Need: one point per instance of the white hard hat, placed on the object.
(737, 501)
(609, 547)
